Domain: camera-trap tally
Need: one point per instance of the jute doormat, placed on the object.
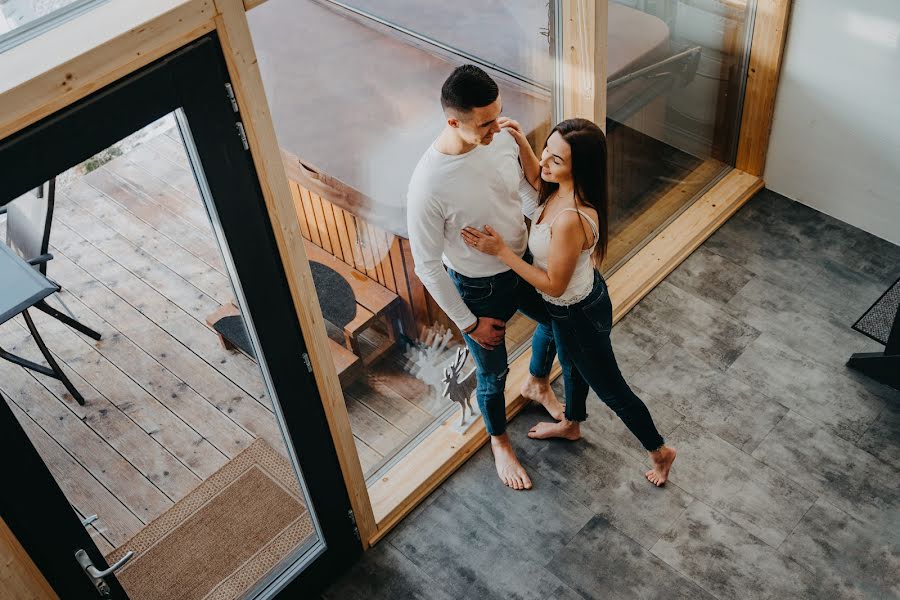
(223, 537)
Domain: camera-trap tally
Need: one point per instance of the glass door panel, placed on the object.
(352, 125)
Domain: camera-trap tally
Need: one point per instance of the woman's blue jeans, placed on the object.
(586, 356)
(500, 297)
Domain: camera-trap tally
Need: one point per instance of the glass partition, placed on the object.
(676, 70)
(352, 124)
(21, 20)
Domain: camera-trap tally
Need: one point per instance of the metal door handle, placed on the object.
(96, 575)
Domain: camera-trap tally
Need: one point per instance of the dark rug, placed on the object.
(877, 321)
(335, 294)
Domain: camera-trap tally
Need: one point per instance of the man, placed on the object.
(470, 176)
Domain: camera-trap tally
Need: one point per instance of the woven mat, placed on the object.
(222, 538)
(877, 321)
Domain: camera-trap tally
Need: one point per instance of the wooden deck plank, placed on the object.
(89, 497)
(298, 207)
(160, 310)
(152, 416)
(367, 457)
(176, 176)
(111, 425)
(192, 269)
(170, 148)
(221, 392)
(169, 200)
(176, 230)
(118, 475)
(388, 404)
(383, 437)
(309, 214)
(343, 237)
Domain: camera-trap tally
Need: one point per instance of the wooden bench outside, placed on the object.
(348, 365)
(373, 302)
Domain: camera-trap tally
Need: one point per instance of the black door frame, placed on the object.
(193, 79)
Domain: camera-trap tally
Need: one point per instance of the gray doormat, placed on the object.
(877, 321)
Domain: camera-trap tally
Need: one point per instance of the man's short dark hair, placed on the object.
(468, 87)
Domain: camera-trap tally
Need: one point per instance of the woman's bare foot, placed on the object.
(568, 430)
(509, 469)
(540, 391)
(662, 462)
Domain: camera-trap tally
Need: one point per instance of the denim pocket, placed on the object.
(473, 293)
(557, 312)
(598, 311)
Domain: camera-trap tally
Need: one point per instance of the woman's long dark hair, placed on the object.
(588, 144)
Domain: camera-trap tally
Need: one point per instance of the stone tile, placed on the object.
(631, 354)
(862, 561)
(800, 324)
(723, 405)
(538, 522)
(758, 498)
(848, 477)
(602, 562)
(671, 314)
(845, 290)
(603, 418)
(826, 394)
(467, 557)
(882, 439)
(384, 572)
(725, 560)
(828, 237)
(778, 259)
(710, 276)
(609, 480)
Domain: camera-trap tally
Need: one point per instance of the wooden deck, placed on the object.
(166, 405)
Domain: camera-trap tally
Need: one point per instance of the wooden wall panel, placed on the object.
(373, 252)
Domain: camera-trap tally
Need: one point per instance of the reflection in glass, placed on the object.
(352, 123)
(21, 20)
(675, 75)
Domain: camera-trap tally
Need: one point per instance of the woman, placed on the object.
(568, 237)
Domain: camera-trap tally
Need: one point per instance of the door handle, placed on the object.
(96, 575)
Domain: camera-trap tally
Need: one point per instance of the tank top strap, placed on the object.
(590, 221)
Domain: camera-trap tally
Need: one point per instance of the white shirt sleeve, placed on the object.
(425, 222)
(527, 194)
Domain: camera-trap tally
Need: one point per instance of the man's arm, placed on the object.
(426, 239)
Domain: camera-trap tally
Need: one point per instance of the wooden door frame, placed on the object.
(71, 61)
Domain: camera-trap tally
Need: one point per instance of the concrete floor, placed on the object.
(787, 483)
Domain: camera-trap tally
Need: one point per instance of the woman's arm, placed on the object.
(530, 164)
(565, 245)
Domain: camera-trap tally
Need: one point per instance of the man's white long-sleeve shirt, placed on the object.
(485, 186)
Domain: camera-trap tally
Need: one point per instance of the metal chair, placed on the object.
(23, 274)
(28, 222)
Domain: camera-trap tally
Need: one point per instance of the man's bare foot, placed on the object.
(540, 391)
(568, 430)
(509, 469)
(662, 462)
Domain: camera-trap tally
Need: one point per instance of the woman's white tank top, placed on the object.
(582, 281)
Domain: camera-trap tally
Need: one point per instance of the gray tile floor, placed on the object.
(787, 483)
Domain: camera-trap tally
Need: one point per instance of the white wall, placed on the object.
(835, 142)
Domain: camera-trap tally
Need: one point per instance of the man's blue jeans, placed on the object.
(500, 297)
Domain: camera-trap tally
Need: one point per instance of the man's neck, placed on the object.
(448, 142)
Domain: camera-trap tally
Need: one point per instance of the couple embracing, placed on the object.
(475, 255)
